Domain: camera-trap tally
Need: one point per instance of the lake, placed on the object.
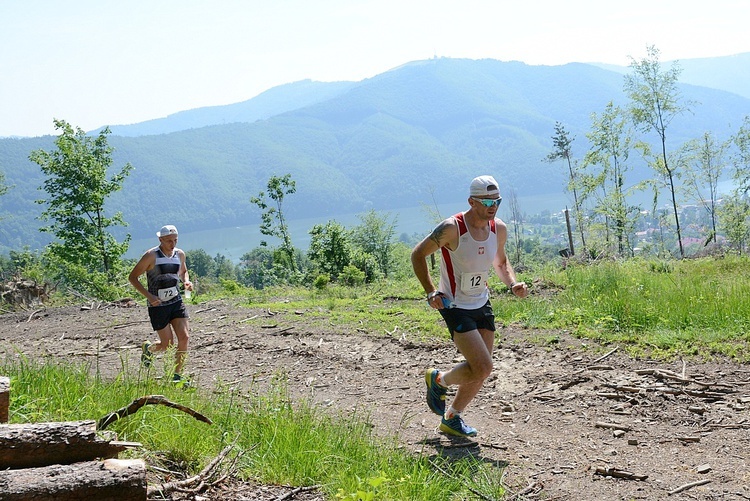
(235, 241)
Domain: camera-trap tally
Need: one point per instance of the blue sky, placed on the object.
(106, 62)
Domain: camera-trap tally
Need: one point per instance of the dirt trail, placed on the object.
(567, 419)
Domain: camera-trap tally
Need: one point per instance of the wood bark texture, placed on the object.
(108, 480)
(4, 398)
(41, 444)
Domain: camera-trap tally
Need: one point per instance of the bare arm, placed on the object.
(444, 235)
(146, 262)
(502, 265)
(183, 273)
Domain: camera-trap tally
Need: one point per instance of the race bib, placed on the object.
(167, 294)
(473, 284)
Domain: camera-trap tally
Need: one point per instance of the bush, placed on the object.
(322, 281)
(352, 276)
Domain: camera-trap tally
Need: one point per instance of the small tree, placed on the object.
(256, 268)
(273, 222)
(562, 143)
(706, 164)
(654, 102)
(200, 263)
(374, 237)
(330, 248)
(610, 147)
(78, 187)
(733, 220)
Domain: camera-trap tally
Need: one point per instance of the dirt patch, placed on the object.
(565, 418)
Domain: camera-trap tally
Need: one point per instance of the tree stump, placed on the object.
(40, 444)
(108, 480)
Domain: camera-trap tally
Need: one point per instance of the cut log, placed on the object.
(108, 480)
(43, 444)
(4, 398)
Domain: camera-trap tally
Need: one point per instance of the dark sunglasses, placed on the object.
(489, 202)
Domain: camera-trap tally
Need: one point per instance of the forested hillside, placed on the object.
(398, 139)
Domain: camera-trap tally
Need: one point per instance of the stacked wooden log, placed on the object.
(64, 461)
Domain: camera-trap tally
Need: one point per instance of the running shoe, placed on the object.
(456, 426)
(147, 357)
(435, 392)
(180, 381)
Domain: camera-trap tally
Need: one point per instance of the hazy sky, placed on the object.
(107, 62)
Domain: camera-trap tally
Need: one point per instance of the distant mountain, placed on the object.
(267, 104)
(729, 73)
(412, 135)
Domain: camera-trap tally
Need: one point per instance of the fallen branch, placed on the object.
(281, 331)
(199, 479)
(689, 486)
(573, 382)
(612, 426)
(734, 426)
(135, 405)
(206, 309)
(605, 355)
(617, 473)
(128, 324)
(295, 491)
(34, 313)
(533, 487)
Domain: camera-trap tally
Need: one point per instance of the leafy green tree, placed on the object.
(562, 150)
(706, 164)
(77, 188)
(375, 237)
(733, 220)
(255, 268)
(330, 248)
(273, 222)
(610, 147)
(655, 101)
(200, 263)
(223, 267)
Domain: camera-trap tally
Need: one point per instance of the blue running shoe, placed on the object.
(146, 356)
(456, 426)
(435, 392)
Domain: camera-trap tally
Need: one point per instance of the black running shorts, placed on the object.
(161, 315)
(460, 320)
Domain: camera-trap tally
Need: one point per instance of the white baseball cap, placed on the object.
(482, 186)
(166, 230)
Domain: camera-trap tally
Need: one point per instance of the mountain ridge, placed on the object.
(407, 136)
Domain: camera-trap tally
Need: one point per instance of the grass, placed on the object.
(283, 442)
(695, 307)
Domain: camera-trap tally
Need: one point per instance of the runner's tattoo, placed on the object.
(438, 232)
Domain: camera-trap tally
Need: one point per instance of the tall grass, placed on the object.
(283, 442)
(691, 307)
(698, 306)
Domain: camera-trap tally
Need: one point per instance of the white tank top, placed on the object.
(464, 271)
